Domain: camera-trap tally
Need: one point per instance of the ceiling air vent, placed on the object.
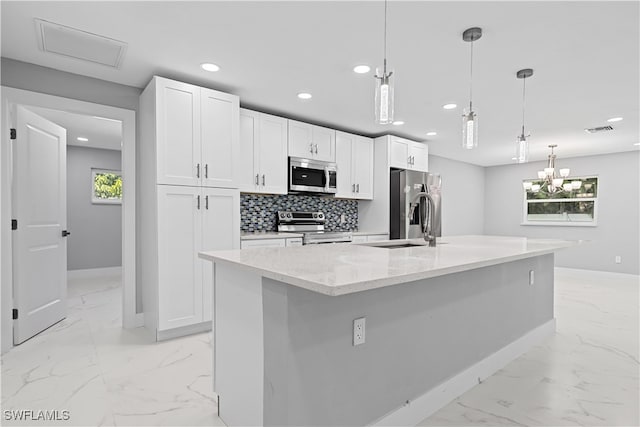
(599, 129)
(74, 43)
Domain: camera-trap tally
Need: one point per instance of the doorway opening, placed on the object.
(120, 225)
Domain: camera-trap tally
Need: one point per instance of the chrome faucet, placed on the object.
(426, 224)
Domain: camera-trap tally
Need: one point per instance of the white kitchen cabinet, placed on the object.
(196, 132)
(311, 141)
(263, 153)
(368, 238)
(406, 154)
(354, 158)
(191, 220)
(188, 154)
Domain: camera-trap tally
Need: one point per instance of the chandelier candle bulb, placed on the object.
(567, 187)
(535, 188)
(564, 172)
(541, 174)
(576, 184)
(557, 182)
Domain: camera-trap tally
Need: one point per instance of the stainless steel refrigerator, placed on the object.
(405, 184)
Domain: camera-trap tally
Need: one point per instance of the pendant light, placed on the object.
(384, 85)
(469, 117)
(522, 144)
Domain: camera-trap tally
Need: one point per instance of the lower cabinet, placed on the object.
(276, 242)
(191, 220)
(368, 238)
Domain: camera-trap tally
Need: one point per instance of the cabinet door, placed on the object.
(248, 165)
(272, 153)
(300, 139)
(177, 132)
(399, 153)
(345, 184)
(220, 116)
(324, 143)
(420, 155)
(362, 163)
(220, 230)
(179, 270)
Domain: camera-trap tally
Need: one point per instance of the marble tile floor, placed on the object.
(105, 375)
(587, 374)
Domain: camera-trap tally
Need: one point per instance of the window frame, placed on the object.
(593, 223)
(98, 201)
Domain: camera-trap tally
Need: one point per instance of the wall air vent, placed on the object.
(74, 43)
(599, 129)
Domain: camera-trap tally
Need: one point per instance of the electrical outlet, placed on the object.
(358, 331)
(618, 259)
(531, 277)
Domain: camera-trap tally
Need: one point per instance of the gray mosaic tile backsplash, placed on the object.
(258, 212)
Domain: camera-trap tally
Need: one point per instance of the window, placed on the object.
(575, 207)
(106, 186)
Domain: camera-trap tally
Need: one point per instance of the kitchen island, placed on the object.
(438, 321)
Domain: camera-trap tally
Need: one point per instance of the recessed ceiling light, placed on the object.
(304, 95)
(449, 106)
(82, 138)
(614, 119)
(398, 123)
(637, 143)
(514, 158)
(432, 133)
(361, 69)
(207, 66)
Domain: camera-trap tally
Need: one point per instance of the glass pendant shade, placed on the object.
(469, 129)
(522, 149)
(567, 186)
(384, 96)
(564, 172)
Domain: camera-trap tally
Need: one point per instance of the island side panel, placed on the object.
(238, 345)
(418, 335)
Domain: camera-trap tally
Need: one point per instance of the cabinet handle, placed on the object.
(206, 170)
(413, 160)
(257, 179)
(311, 148)
(198, 170)
(353, 188)
(316, 148)
(263, 180)
(357, 188)
(206, 202)
(409, 160)
(198, 201)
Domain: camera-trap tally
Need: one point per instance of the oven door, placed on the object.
(312, 176)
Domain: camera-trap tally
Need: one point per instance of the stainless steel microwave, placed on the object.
(307, 175)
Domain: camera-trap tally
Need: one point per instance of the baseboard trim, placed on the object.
(94, 272)
(433, 400)
(598, 273)
(184, 330)
(139, 320)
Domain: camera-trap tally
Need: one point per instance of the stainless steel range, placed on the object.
(311, 225)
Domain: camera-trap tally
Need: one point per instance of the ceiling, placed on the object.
(100, 132)
(585, 57)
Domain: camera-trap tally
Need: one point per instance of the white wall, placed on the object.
(463, 195)
(618, 229)
(96, 229)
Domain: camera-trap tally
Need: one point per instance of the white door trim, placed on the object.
(10, 97)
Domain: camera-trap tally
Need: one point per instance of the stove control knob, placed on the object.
(288, 215)
(315, 215)
(320, 215)
(281, 214)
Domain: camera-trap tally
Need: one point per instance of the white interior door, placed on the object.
(40, 208)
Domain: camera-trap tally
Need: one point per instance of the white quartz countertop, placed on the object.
(368, 233)
(341, 269)
(268, 235)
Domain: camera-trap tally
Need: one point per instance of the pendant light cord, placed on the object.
(471, 80)
(524, 83)
(385, 39)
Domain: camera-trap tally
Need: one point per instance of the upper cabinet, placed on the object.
(263, 153)
(354, 157)
(406, 154)
(197, 135)
(311, 141)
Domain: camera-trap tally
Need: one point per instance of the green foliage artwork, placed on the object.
(107, 186)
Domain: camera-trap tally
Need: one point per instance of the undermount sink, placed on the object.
(400, 244)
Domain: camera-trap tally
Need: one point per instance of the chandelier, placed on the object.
(552, 180)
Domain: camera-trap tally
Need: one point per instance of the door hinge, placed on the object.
(15, 314)
(14, 224)
(12, 133)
